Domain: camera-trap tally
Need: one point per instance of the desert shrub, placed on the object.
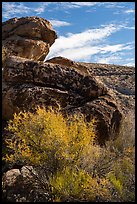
(77, 185)
(122, 177)
(117, 163)
(47, 138)
(64, 152)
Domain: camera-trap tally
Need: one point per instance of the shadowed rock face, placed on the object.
(29, 37)
(28, 82)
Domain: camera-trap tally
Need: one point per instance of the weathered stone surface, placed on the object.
(22, 185)
(28, 37)
(30, 83)
(11, 177)
(27, 96)
(69, 63)
(50, 75)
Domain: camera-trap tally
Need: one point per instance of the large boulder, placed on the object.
(28, 37)
(29, 83)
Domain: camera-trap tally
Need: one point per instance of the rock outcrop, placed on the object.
(22, 185)
(28, 82)
(69, 63)
(29, 37)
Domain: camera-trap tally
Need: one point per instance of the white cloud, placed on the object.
(129, 11)
(87, 45)
(85, 53)
(57, 23)
(79, 46)
(10, 9)
(81, 53)
(83, 44)
(130, 64)
(113, 4)
(109, 60)
(120, 58)
(40, 9)
(116, 48)
(123, 11)
(77, 4)
(130, 28)
(92, 4)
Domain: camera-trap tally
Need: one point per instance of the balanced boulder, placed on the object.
(28, 37)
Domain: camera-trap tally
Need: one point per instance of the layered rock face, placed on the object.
(27, 82)
(29, 37)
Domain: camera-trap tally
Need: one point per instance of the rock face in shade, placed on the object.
(29, 37)
(27, 81)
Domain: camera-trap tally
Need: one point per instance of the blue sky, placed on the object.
(100, 32)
